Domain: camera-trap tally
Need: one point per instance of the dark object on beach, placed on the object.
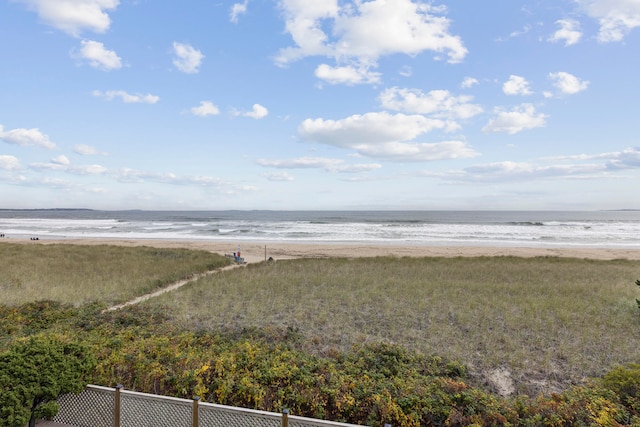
(236, 258)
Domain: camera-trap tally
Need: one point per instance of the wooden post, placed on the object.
(265, 253)
(285, 418)
(196, 400)
(116, 406)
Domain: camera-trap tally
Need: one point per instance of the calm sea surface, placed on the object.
(613, 229)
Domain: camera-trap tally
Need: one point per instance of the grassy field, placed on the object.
(103, 274)
(521, 325)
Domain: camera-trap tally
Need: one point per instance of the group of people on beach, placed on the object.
(3, 236)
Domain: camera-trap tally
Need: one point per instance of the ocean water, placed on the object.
(605, 229)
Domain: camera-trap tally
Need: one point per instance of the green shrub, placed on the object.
(624, 381)
(34, 372)
(32, 317)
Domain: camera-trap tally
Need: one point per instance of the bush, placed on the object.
(34, 372)
(624, 381)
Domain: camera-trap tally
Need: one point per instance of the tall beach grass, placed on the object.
(540, 324)
(104, 274)
(534, 324)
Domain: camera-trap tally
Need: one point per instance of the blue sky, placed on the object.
(320, 104)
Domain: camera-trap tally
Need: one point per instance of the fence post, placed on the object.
(116, 406)
(285, 418)
(195, 421)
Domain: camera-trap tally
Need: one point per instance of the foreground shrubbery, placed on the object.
(266, 369)
(34, 372)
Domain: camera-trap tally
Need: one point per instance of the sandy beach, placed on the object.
(257, 252)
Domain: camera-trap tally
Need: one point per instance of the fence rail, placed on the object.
(98, 406)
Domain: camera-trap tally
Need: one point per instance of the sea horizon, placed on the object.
(606, 229)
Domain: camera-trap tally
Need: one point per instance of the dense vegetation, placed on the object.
(225, 338)
(34, 372)
(523, 325)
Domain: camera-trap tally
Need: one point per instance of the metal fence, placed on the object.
(115, 407)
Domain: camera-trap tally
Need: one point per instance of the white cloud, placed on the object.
(127, 97)
(369, 128)
(328, 164)
(238, 9)
(346, 75)
(468, 82)
(55, 183)
(358, 168)
(626, 159)
(583, 166)
(569, 32)
(418, 152)
(514, 34)
(87, 150)
(74, 16)
(401, 26)
(302, 163)
(304, 24)
(206, 108)
(516, 85)
(98, 56)
(521, 171)
(90, 170)
(187, 58)
(278, 176)
(135, 176)
(63, 164)
(9, 163)
(520, 118)
(61, 160)
(568, 83)
(52, 165)
(406, 71)
(439, 103)
(616, 17)
(257, 112)
(383, 135)
(26, 138)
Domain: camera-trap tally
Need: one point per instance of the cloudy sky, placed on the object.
(320, 104)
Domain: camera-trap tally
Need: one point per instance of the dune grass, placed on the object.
(105, 274)
(540, 323)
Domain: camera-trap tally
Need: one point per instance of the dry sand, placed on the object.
(257, 252)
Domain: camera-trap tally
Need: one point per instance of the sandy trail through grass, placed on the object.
(172, 287)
